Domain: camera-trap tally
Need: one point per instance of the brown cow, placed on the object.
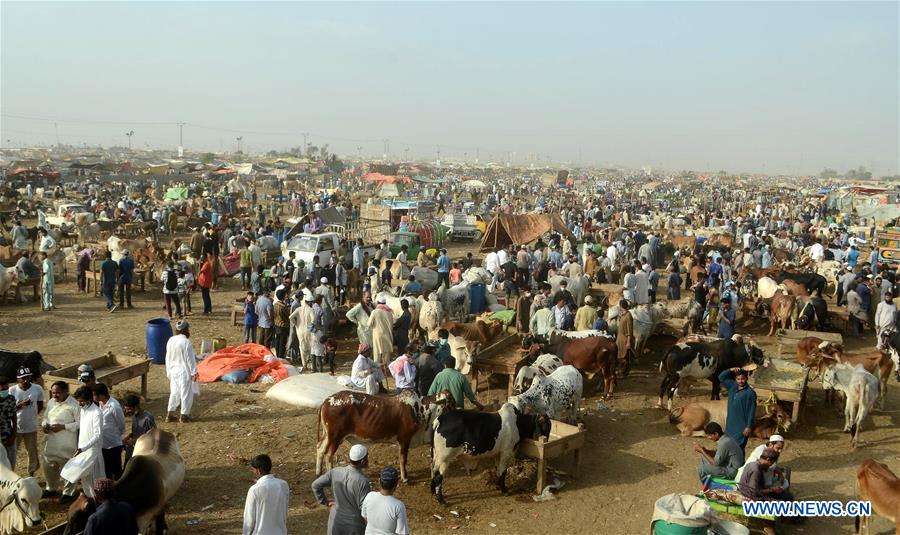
(476, 331)
(724, 240)
(876, 362)
(683, 242)
(403, 417)
(795, 289)
(876, 484)
(595, 356)
(783, 309)
(693, 417)
(805, 349)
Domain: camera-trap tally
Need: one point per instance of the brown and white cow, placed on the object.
(152, 476)
(405, 418)
(877, 362)
(782, 309)
(876, 484)
(693, 417)
(595, 355)
(476, 331)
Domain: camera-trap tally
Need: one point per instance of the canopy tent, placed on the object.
(389, 179)
(478, 184)
(506, 229)
(390, 189)
(174, 194)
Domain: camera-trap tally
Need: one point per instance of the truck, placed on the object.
(463, 227)
(888, 243)
(62, 209)
(306, 246)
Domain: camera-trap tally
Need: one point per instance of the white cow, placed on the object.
(556, 395)
(477, 274)
(646, 318)
(21, 498)
(829, 269)
(455, 300)
(7, 277)
(578, 287)
(543, 365)
(860, 390)
(427, 277)
(431, 316)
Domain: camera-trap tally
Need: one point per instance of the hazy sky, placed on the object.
(772, 87)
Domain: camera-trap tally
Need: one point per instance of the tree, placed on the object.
(207, 157)
(859, 173)
(828, 173)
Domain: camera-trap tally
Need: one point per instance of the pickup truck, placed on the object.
(306, 246)
(464, 227)
(59, 219)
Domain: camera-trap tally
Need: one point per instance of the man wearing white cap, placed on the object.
(365, 373)
(29, 402)
(181, 369)
(775, 476)
(327, 294)
(349, 486)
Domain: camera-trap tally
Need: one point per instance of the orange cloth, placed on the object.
(204, 279)
(242, 357)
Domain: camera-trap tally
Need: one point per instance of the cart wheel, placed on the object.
(476, 236)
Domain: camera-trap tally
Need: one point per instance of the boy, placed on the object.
(455, 274)
(330, 350)
(250, 318)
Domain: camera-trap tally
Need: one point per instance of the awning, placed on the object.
(506, 229)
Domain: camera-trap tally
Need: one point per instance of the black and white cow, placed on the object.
(543, 365)
(813, 312)
(814, 283)
(556, 395)
(480, 435)
(704, 360)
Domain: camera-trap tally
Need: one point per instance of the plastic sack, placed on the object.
(236, 376)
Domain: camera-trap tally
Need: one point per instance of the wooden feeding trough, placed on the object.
(502, 358)
(109, 370)
(564, 438)
(786, 379)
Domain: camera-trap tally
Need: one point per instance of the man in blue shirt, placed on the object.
(443, 265)
(126, 275)
(727, 320)
(865, 294)
(741, 405)
(853, 256)
(108, 271)
(112, 517)
(413, 287)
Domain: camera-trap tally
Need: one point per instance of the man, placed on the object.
(266, 508)
(383, 513)
(108, 272)
(88, 457)
(246, 264)
(282, 322)
(564, 293)
(451, 379)
(111, 517)
(741, 405)
(255, 253)
(586, 315)
(403, 369)
(113, 429)
(126, 275)
(60, 424)
(727, 320)
(885, 316)
(427, 368)
(562, 316)
(142, 422)
(522, 266)
(752, 484)
(181, 369)
(728, 455)
(413, 287)
(196, 243)
(8, 422)
(265, 314)
(170, 289)
(625, 335)
(365, 373)
(381, 322)
(349, 486)
(816, 251)
(19, 236)
(443, 269)
(47, 283)
(29, 402)
(543, 318)
(775, 475)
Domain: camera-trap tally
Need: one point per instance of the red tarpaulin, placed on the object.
(390, 179)
(243, 357)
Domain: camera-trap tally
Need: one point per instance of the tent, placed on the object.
(506, 229)
(174, 194)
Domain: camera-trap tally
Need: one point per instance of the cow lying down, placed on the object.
(693, 417)
(479, 435)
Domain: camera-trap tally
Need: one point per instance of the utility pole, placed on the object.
(305, 145)
(359, 152)
(406, 154)
(240, 147)
(384, 154)
(129, 134)
(181, 139)
(56, 127)
(477, 150)
(439, 155)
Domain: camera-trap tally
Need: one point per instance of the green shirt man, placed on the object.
(454, 381)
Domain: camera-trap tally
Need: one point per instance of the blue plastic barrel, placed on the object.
(159, 331)
(477, 298)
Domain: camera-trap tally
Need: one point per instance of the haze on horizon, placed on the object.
(752, 87)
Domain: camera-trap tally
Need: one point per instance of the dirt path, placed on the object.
(632, 456)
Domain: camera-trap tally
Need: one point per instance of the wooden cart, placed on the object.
(786, 379)
(564, 438)
(502, 357)
(788, 340)
(109, 370)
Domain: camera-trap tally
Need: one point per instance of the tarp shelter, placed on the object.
(506, 229)
(389, 179)
(244, 357)
(174, 194)
(390, 189)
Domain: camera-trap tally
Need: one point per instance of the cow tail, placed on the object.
(319, 425)
(675, 415)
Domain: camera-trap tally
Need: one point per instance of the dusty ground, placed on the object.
(632, 455)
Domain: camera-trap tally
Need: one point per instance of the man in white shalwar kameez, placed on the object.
(181, 369)
(359, 315)
(382, 324)
(60, 424)
(89, 456)
(365, 374)
(303, 318)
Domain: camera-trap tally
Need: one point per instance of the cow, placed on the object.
(557, 395)
(431, 316)
(89, 232)
(477, 331)
(890, 340)
(427, 277)
(829, 269)
(724, 240)
(876, 484)
(813, 312)
(152, 476)
(8, 275)
(578, 287)
(404, 418)
(782, 309)
(813, 282)
(877, 362)
(860, 390)
(479, 435)
(455, 300)
(21, 498)
(646, 318)
(699, 360)
(771, 418)
(591, 352)
(766, 288)
(682, 242)
(806, 350)
(12, 361)
(543, 365)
